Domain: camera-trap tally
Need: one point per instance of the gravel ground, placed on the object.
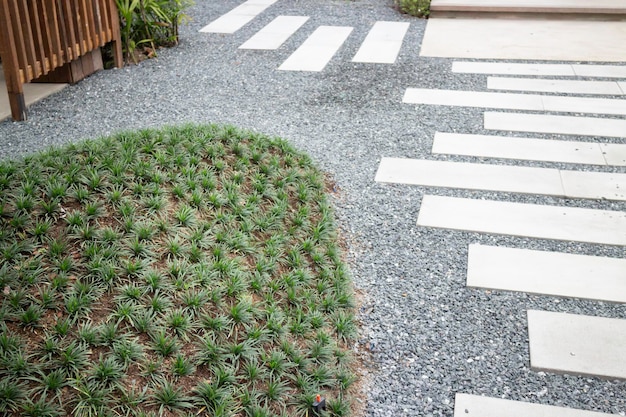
(429, 336)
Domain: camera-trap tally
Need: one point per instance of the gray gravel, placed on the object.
(429, 336)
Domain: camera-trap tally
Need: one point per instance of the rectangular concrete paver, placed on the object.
(238, 17)
(614, 153)
(466, 405)
(552, 273)
(382, 44)
(531, 38)
(529, 220)
(555, 86)
(470, 176)
(275, 33)
(565, 125)
(514, 101)
(531, 149)
(318, 49)
(576, 344)
(564, 70)
(505, 178)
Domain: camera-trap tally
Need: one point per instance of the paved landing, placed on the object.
(529, 149)
(531, 6)
(531, 39)
(527, 220)
(576, 344)
(318, 49)
(553, 273)
(514, 101)
(238, 17)
(275, 33)
(505, 178)
(466, 405)
(564, 125)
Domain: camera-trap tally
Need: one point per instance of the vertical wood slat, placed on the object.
(66, 53)
(40, 52)
(15, 17)
(80, 23)
(91, 25)
(32, 68)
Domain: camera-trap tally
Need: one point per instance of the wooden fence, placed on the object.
(40, 39)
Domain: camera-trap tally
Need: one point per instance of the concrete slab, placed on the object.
(470, 176)
(466, 405)
(275, 33)
(505, 178)
(576, 344)
(318, 49)
(382, 44)
(563, 125)
(552, 273)
(564, 70)
(610, 88)
(532, 39)
(33, 92)
(529, 220)
(238, 17)
(514, 101)
(530, 149)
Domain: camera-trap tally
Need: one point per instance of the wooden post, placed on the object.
(10, 65)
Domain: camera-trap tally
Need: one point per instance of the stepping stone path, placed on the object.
(558, 342)
(381, 45)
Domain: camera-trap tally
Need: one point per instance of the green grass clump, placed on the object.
(183, 271)
(419, 8)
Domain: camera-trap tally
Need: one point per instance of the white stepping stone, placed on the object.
(564, 125)
(566, 70)
(318, 49)
(530, 149)
(555, 86)
(529, 220)
(513, 101)
(238, 17)
(576, 344)
(466, 405)
(382, 44)
(506, 178)
(275, 33)
(553, 273)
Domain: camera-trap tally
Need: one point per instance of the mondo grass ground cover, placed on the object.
(192, 270)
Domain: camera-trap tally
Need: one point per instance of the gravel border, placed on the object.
(429, 336)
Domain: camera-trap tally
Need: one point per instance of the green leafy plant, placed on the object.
(151, 22)
(418, 8)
